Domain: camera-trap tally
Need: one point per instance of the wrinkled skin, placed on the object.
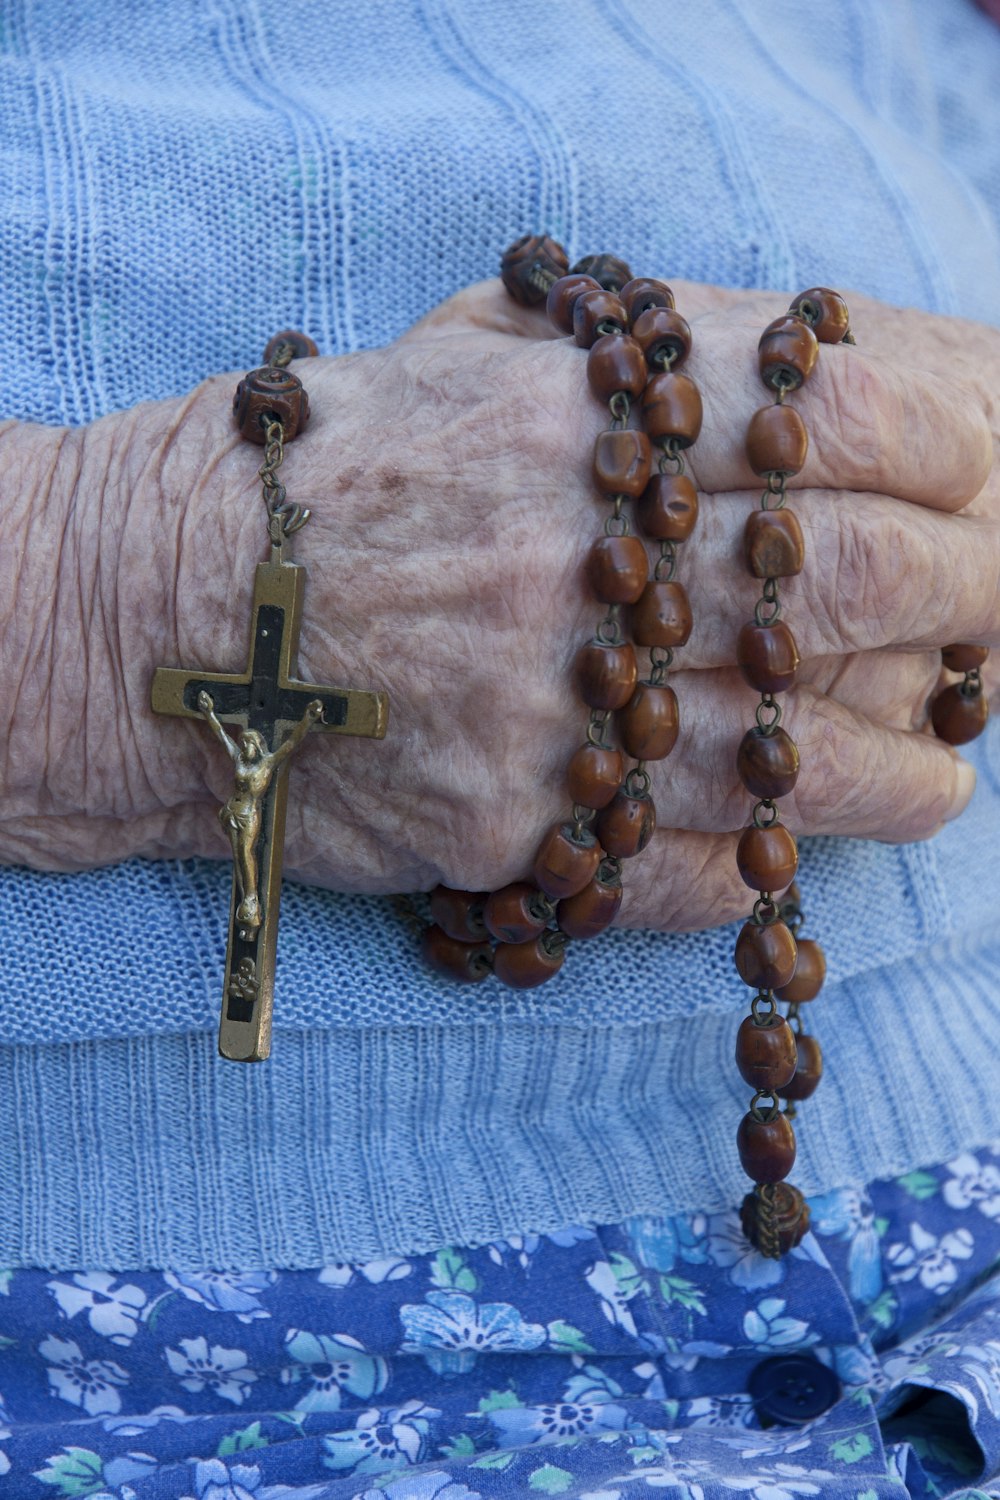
(448, 476)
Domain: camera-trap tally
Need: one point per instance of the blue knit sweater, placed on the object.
(736, 141)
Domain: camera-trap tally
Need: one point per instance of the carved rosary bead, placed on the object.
(766, 1147)
(594, 775)
(607, 270)
(606, 675)
(765, 1053)
(773, 543)
(617, 569)
(959, 716)
(825, 312)
(664, 337)
(810, 972)
(671, 408)
(642, 293)
(593, 909)
(964, 657)
(777, 441)
(525, 965)
(649, 722)
(667, 509)
(784, 1222)
(767, 858)
(768, 656)
(765, 954)
(270, 395)
(786, 354)
(662, 616)
(566, 861)
(302, 346)
(529, 267)
(808, 1071)
(627, 824)
(597, 313)
(459, 913)
(622, 461)
(768, 764)
(562, 297)
(517, 912)
(616, 363)
(468, 962)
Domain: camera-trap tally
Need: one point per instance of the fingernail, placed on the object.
(965, 785)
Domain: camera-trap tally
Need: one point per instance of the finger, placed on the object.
(484, 307)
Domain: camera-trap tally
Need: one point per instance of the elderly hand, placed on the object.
(448, 477)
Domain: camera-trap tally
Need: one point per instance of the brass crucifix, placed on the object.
(275, 713)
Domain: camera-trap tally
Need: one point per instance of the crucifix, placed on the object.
(275, 712)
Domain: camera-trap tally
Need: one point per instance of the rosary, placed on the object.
(636, 343)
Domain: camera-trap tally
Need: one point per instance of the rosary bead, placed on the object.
(617, 569)
(606, 675)
(566, 862)
(469, 962)
(643, 293)
(597, 313)
(459, 913)
(765, 1054)
(616, 363)
(607, 270)
(959, 717)
(788, 1221)
(810, 972)
(786, 353)
(562, 297)
(808, 1072)
(663, 336)
(529, 267)
(516, 913)
(594, 908)
(964, 658)
(825, 312)
(768, 764)
(773, 543)
(621, 462)
(768, 656)
(767, 857)
(595, 774)
(662, 617)
(302, 345)
(766, 1147)
(270, 395)
(649, 723)
(765, 954)
(777, 441)
(671, 408)
(525, 965)
(667, 509)
(627, 824)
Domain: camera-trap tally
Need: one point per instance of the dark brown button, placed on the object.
(530, 265)
(664, 337)
(768, 764)
(617, 569)
(825, 312)
(765, 1053)
(810, 972)
(773, 544)
(963, 657)
(467, 962)
(662, 616)
(768, 656)
(765, 954)
(777, 441)
(642, 293)
(957, 716)
(786, 354)
(766, 1147)
(593, 909)
(525, 965)
(767, 857)
(616, 363)
(621, 462)
(606, 675)
(808, 1072)
(270, 395)
(626, 825)
(597, 313)
(459, 913)
(565, 861)
(671, 408)
(517, 912)
(594, 775)
(667, 509)
(649, 723)
(562, 295)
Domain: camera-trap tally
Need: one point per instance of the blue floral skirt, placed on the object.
(648, 1357)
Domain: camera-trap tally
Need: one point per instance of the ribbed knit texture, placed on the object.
(166, 204)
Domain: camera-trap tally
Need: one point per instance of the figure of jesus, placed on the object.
(241, 816)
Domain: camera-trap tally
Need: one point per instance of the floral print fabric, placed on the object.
(601, 1364)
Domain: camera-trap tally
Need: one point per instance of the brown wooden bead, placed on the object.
(642, 293)
(777, 441)
(664, 337)
(766, 1147)
(525, 965)
(773, 544)
(459, 913)
(649, 722)
(626, 825)
(529, 267)
(667, 509)
(616, 363)
(765, 954)
(468, 962)
(302, 345)
(606, 675)
(964, 657)
(959, 717)
(786, 354)
(825, 312)
(270, 395)
(765, 1054)
(671, 408)
(594, 775)
(768, 656)
(621, 462)
(565, 863)
(787, 1222)
(595, 314)
(662, 617)
(808, 1072)
(767, 857)
(768, 764)
(562, 296)
(617, 569)
(593, 909)
(810, 972)
(517, 912)
(607, 270)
